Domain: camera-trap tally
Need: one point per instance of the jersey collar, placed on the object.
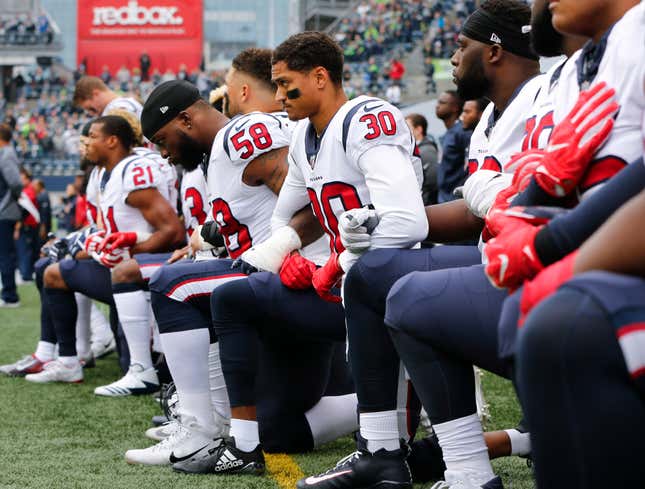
(589, 61)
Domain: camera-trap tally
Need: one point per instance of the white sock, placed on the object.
(187, 358)
(520, 442)
(134, 315)
(83, 331)
(464, 448)
(246, 434)
(332, 417)
(219, 394)
(45, 351)
(100, 326)
(156, 340)
(69, 362)
(381, 430)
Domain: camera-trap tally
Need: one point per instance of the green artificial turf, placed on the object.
(63, 436)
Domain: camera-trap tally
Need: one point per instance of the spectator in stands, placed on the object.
(144, 65)
(105, 75)
(429, 154)
(44, 207)
(10, 188)
(26, 229)
(454, 144)
(472, 113)
(123, 77)
(397, 70)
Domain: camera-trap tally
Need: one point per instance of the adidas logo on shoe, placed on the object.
(227, 461)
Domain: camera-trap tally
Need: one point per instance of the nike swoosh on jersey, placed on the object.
(237, 128)
(174, 459)
(316, 479)
(367, 108)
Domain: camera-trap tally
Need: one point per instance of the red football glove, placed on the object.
(327, 277)
(297, 272)
(93, 241)
(118, 240)
(575, 140)
(544, 284)
(523, 165)
(112, 258)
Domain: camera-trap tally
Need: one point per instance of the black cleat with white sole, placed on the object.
(364, 470)
(226, 459)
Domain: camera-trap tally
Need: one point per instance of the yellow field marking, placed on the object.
(283, 469)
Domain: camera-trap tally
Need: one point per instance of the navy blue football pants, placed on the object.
(265, 363)
(373, 357)
(442, 322)
(581, 379)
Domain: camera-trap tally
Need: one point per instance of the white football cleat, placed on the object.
(100, 348)
(55, 371)
(185, 442)
(162, 432)
(136, 382)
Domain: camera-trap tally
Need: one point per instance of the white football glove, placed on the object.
(355, 227)
(269, 255)
(482, 187)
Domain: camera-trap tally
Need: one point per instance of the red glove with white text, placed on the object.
(297, 272)
(575, 140)
(544, 284)
(325, 278)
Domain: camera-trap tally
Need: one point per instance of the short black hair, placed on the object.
(418, 120)
(255, 62)
(513, 12)
(481, 102)
(307, 50)
(458, 101)
(5, 132)
(114, 125)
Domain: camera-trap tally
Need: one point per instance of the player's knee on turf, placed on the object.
(52, 278)
(127, 272)
(286, 433)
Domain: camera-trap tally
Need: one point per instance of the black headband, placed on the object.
(484, 27)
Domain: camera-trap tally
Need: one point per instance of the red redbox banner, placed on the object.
(117, 32)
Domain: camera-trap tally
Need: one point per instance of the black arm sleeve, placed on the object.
(211, 235)
(534, 195)
(567, 232)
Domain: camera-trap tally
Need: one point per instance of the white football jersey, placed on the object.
(92, 195)
(539, 125)
(618, 61)
(132, 173)
(168, 171)
(124, 103)
(498, 136)
(243, 212)
(332, 170)
(195, 205)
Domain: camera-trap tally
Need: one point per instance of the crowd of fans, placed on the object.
(380, 32)
(25, 29)
(47, 125)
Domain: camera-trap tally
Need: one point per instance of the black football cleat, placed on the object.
(225, 459)
(364, 470)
